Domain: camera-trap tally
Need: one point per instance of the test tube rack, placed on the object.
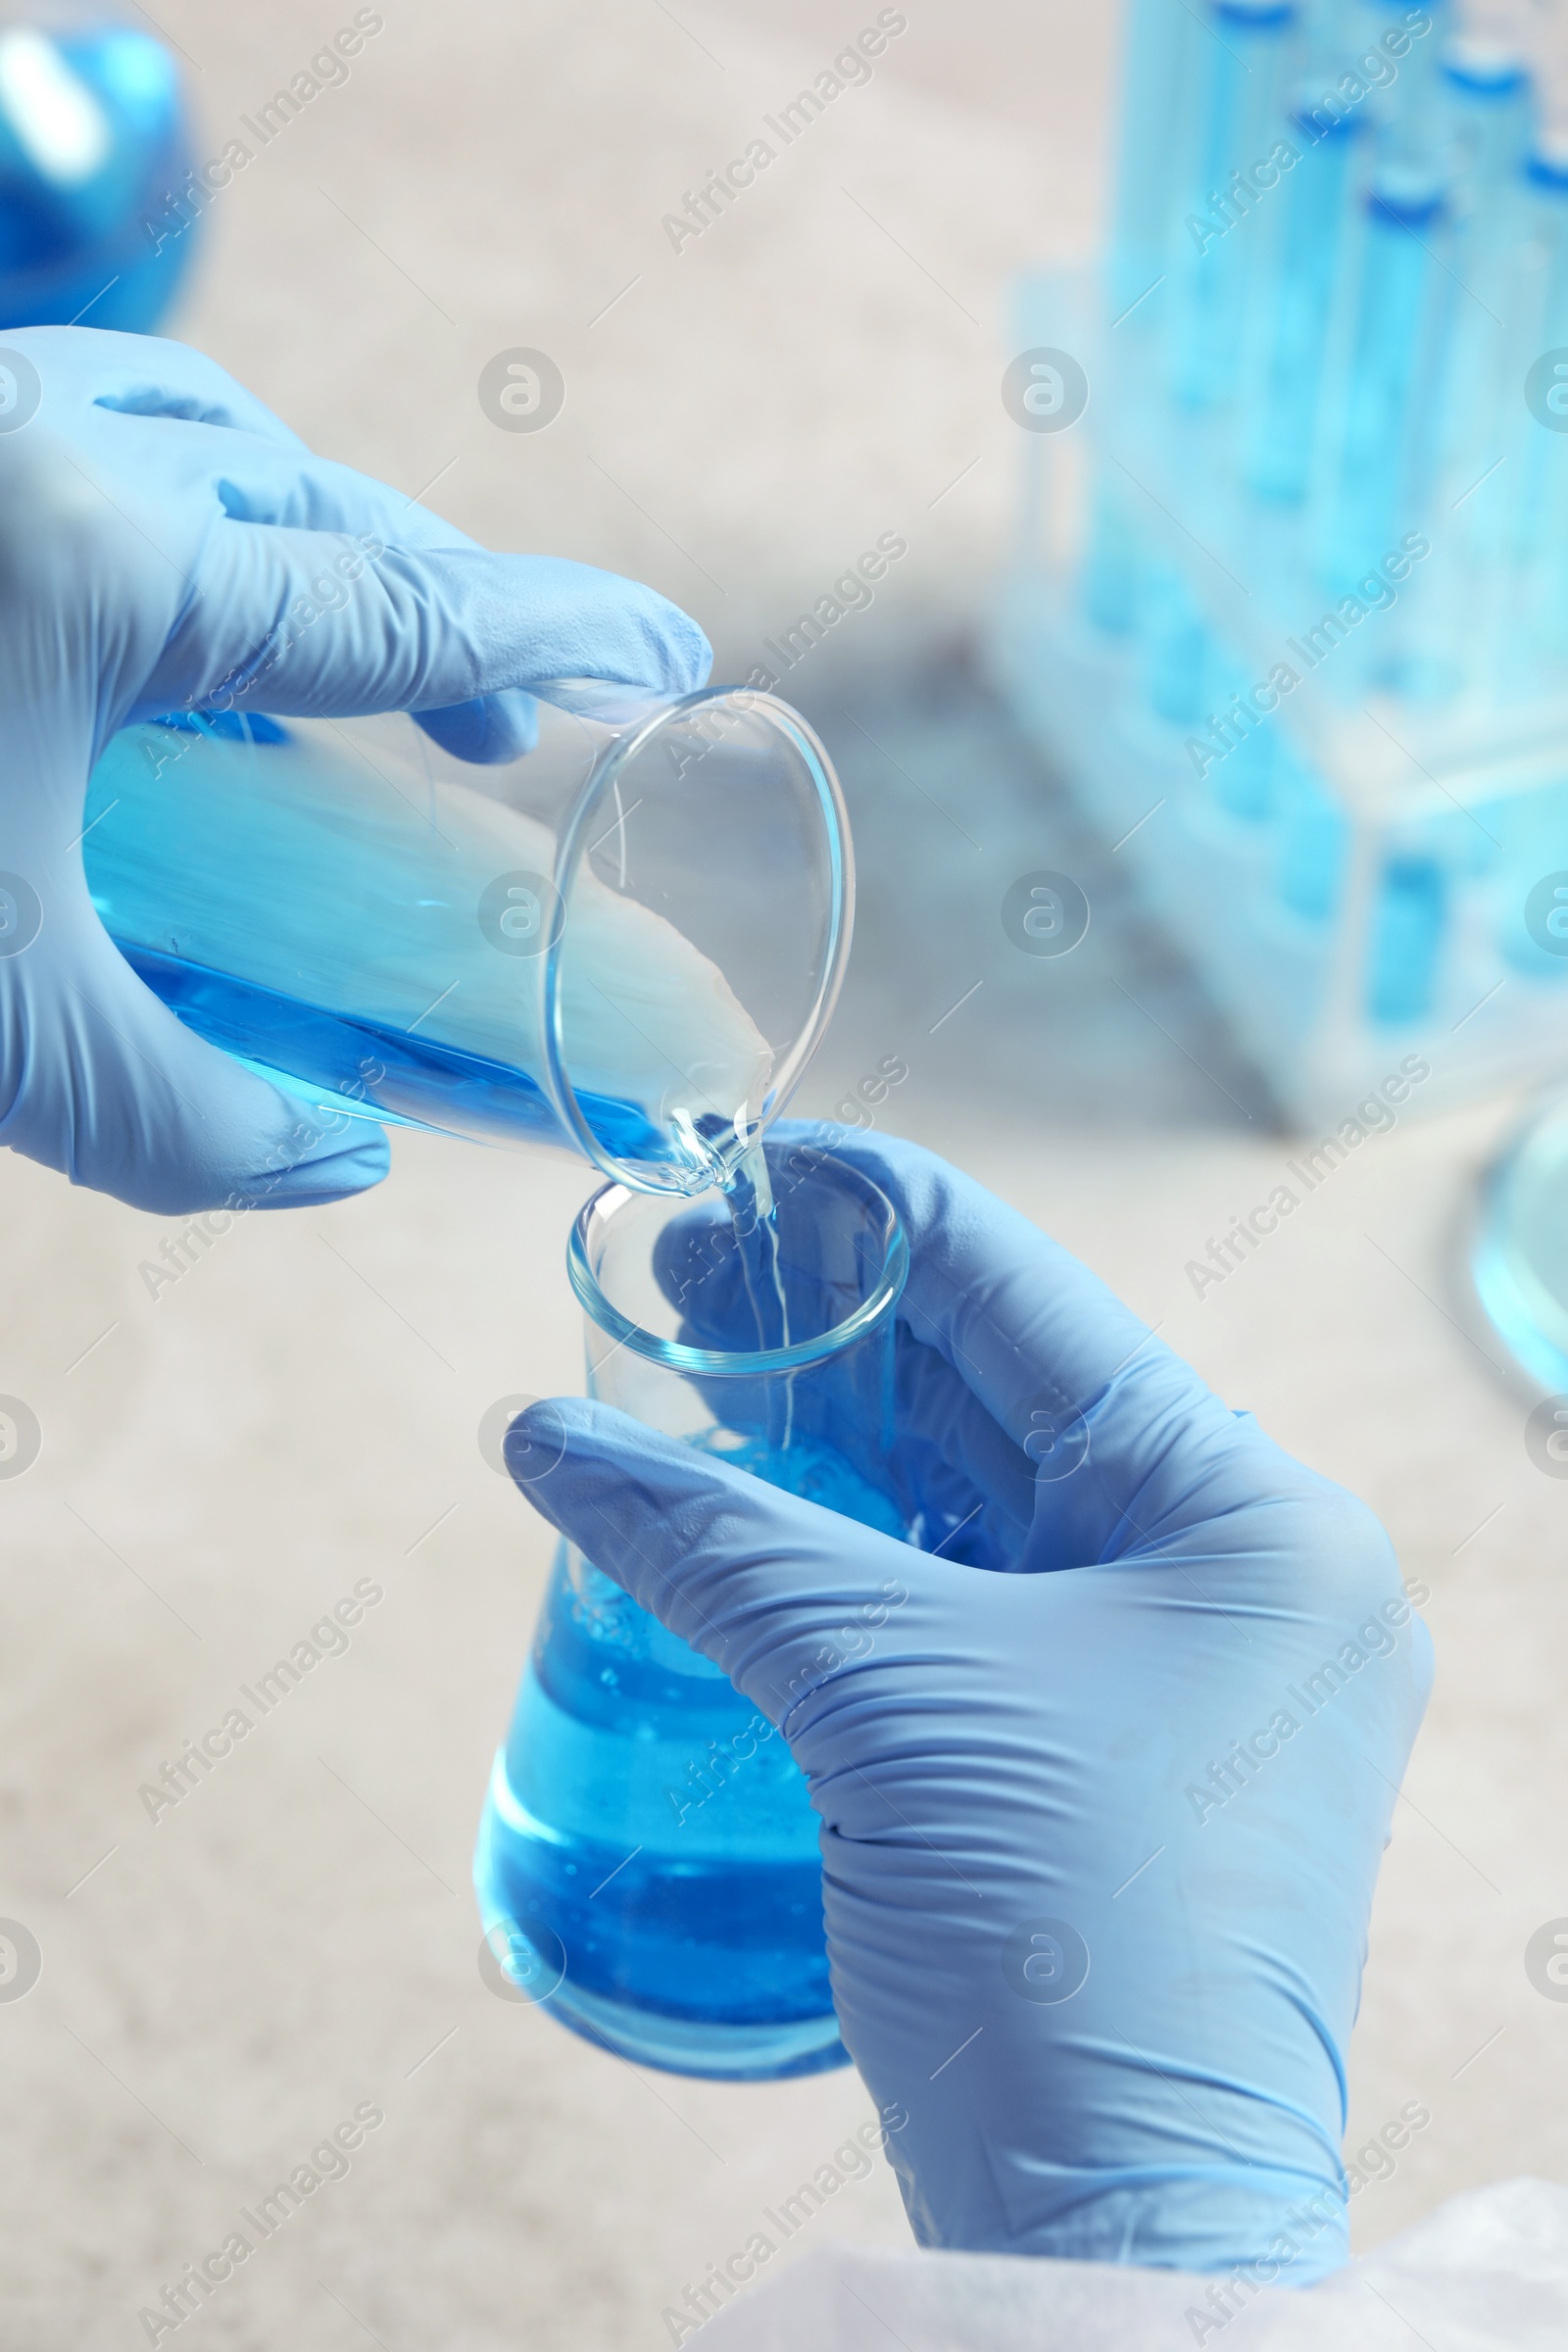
(1290, 606)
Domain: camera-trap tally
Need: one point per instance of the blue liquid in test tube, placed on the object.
(1315, 843)
(1439, 645)
(1243, 781)
(1512, 610)
(1317, 222)
(1407, 929)
(1176, 646)
(1385, 430)
(1222, 244)
(1163, 64)
(1112, 564)
(1315, 202)
(1393, 395)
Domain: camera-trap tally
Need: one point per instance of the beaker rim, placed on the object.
(724, 1364)
(835, 816)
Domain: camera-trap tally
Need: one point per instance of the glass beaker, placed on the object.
(648, 1863)
(627, 942)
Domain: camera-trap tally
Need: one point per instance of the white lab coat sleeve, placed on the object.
(1487, 2272)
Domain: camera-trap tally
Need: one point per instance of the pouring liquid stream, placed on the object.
(754, 1218)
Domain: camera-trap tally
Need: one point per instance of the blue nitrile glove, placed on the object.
(166, 544)
(1103, 1787)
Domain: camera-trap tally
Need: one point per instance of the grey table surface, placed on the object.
(221, 1464)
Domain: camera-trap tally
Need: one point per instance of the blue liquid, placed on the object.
(1406, 936)
(300, 912)
(1404, 304)
(1111, 566)
(423, 1079)
(1315, 208)
(754, 1220)
(105, 241)
(1162, 77)
(648, 1830)
(1176, 648)
(1214, 281)
(1243, 781)
(1315, 844)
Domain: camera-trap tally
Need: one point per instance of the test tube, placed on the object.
(1229, 226)
(1318, 219)
(1314, 842)
(1514, 607)
(1111, 566)
(1388, 392)
(1408, 927)
(1485, 108)
(1550, 448)
(1428, 653)
(1244, 782)
(1160, 75)
(1176, 646)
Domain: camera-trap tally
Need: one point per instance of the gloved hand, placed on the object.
(166, 544)
(1104, 1799)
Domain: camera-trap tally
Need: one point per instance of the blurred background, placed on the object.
(747, 410)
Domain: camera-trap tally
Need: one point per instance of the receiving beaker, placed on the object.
(648, 1863)
(628, 940)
